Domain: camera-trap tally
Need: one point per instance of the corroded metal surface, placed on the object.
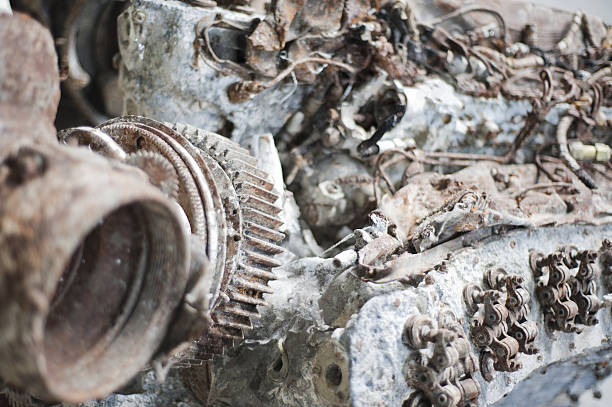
(444, 377)
(500, 329)
(230, 206)
(101, 272)
(86, 267)
(424, 183)
(29, 92)
(251, 208)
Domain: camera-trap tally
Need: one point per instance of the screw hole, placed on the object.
(278, 365)
(333, 375)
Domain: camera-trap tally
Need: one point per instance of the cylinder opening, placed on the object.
(114, 301)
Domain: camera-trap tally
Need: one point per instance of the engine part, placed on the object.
(445, 377)
(333, 332)
(569, 300)
(101, 271)
(228, 200)
(500, 328)
(92, 257)
(86, 33)
(29, 93)
(207, 105)
(250, 203)
(334, 190)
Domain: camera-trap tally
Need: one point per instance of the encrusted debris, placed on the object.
(500, 328)
(291, 192)
(445, 376)
(568, 298)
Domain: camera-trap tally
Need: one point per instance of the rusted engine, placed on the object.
(121, 245)
(304, 202)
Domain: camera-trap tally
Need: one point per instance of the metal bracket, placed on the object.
(441, 366)
(499, 327)
(566, 288)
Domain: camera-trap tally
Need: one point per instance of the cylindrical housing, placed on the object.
(93, 264)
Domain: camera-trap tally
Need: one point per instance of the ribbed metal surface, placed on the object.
(233, 311)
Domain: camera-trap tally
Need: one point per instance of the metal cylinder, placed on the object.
(230, 205)
(93, 265)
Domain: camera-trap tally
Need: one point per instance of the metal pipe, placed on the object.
(93, 265)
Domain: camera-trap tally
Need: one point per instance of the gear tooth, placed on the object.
(247, 188)
(235, 322)
(251, 285)
(263, 232)
(258, 272)
(251, 178)
(261, 218)
(248, 281)
(263, 245)
(261, 205)
(220, 145)
(247, 299)
(242, 156)
(245, 310)
(262, 259)
(249, 171)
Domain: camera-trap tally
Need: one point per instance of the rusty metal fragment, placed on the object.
(568, 299)
(500, 328)
(88, 262)
(29, 93)
(444, 377)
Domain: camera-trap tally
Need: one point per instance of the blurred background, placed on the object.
(601, 8)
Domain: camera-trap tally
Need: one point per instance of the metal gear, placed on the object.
(230, 204)
(256, 223)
